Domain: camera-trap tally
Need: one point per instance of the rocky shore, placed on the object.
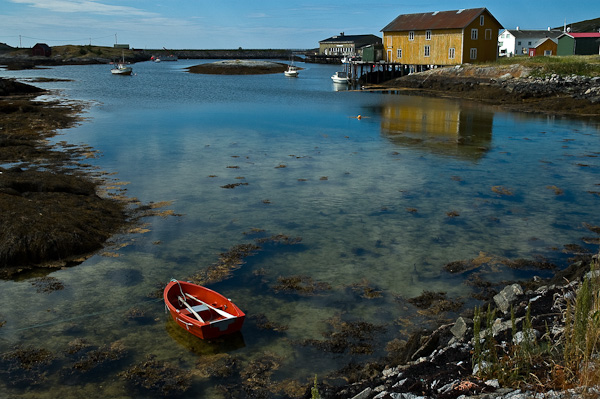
(510, 87)
(439, 363)
(239, 67)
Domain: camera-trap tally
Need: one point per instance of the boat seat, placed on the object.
(200, 308)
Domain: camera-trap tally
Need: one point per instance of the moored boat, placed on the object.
(340, 77)
(292, 71)
(121, 68)
(202, 311)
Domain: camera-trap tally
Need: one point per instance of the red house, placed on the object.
(42, 49)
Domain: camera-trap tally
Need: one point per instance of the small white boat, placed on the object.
(340, 77)
(292, 71)
(121, 68)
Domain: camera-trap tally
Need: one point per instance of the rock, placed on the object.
(500, 326)
(505, 77)
(364, 394)
(507, 297)
(521, 337)
(493, 383)
(390, 372)
(460, 327)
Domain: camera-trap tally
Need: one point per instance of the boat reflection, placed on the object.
(441, 126)
(223, 344)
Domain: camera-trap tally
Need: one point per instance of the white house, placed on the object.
(518, 42)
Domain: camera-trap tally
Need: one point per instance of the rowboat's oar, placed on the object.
(219, 311)
(190, 309)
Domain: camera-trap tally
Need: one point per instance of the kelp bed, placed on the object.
(54, 209)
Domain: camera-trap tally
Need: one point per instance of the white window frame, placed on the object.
(474, 34)
(547, 53)
(427, 51)
(399, 53)
(473, 53)
(451, 53)
(411, 35)
(481, 20)
(427, 35)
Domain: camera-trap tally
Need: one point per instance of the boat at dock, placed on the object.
(340, 77)
(202, 311)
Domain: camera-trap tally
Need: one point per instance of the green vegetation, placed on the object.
(72, 51)
(570, 361)
(564, 65)
(314, 391)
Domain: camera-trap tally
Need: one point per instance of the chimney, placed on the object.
(517, 28)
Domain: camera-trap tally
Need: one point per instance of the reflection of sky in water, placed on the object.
(370, 198)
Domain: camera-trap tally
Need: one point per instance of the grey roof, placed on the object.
(358, 40)
(534, 34)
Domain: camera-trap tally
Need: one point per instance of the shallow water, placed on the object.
(381, 202)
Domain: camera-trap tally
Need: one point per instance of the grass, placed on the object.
(573, 360)
(588, 65)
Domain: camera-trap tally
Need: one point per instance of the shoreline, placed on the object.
(511, 88)
(56, 210)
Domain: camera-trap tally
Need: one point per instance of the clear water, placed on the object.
(370, 198)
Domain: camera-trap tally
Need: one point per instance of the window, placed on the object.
(473, 53)
(427, 50)
(428, 35)
(451, 53)
(518, 43)
(488, 34)
(547, 52)
(411, 35)
(474, 33)
(481, 20)
(529, 43)
(399, 53)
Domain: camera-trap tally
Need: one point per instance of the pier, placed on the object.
(362, 72)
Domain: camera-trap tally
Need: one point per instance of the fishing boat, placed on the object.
(340, 77)
(292, 71)
(202, 311)
(121, 68)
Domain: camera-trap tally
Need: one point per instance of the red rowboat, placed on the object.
(202, 311)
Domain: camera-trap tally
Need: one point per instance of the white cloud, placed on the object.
(83, 6)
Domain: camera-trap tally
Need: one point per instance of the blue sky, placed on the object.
(226, 24)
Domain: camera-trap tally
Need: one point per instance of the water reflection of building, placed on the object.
(440, 126)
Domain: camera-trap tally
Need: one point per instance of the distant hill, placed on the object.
(5, 47)
(590, 25)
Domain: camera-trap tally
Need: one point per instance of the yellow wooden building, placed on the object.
(442, 38)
